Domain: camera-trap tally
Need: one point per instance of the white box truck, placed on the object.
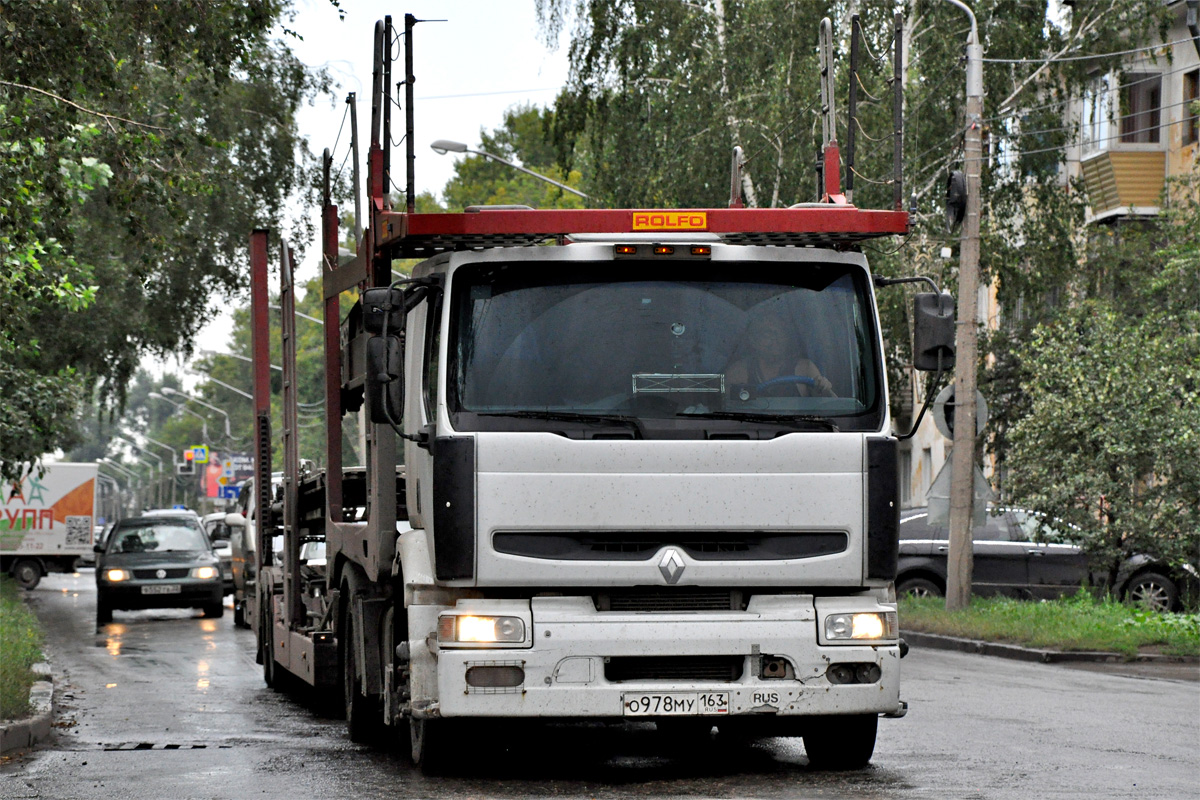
(46, 521)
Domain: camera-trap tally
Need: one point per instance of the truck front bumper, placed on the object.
(578, 662)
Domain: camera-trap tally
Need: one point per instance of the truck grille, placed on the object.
(663, 600)
(643, 545)
(721, 669)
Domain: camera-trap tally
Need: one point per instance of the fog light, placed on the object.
(840, 673)
(867, 673)
(875, 625)
(116, 575)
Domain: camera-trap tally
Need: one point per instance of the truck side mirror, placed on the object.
(383, 302)
(385, 379)
(933, 331)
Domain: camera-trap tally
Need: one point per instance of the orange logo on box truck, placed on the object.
(670, 220)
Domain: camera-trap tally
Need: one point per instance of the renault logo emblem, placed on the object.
(671, 566)
(162, 573)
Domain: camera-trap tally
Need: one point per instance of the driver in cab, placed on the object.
(771, 364)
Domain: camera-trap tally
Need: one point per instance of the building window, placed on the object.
(1191, 96)
(1141, 107)
(1097, 110)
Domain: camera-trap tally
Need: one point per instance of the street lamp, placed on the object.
(298, 314)
(443, 146)
(169, 390)
(233, 389)
(239, 358)
(174, 462)
(138, 452)
(182, 407)
(132, 479)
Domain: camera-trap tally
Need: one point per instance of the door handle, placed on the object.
(1035, 552)
(943, 548)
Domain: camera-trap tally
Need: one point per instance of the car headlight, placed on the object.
(205, 573)
(481, 629)
(861, 627)
(117, 575)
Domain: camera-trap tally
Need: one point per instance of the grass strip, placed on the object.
(1078, 622)
(20, 649)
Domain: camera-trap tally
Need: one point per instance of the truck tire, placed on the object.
(266, 647)
(27, 572)
(432, 747)
(841, 743)
(239, 615)
(364, 717)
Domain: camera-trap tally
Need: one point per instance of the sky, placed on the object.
(485, 57)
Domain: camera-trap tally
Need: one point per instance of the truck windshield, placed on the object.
(622, 344)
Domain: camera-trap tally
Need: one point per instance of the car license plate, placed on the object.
(166, 588)
(674, 704)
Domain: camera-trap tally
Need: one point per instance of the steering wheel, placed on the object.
(782, 380)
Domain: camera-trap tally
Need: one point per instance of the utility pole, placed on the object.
(962, 467)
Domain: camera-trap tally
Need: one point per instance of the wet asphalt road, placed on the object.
(166, 704)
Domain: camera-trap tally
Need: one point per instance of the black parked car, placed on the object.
(1013, 557)
(157, 562)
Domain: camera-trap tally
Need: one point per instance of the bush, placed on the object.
(20, 649)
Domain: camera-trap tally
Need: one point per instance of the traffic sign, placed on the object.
(200, 453)
(943, 412)
(230, 492)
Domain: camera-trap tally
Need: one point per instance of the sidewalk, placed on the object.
(23, 733)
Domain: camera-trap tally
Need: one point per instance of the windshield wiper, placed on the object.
(820, 423)
(569, 416)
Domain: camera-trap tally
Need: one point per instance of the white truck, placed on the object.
(621, 464)
(46, 522)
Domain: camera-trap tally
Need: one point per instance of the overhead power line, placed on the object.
(1082, 58)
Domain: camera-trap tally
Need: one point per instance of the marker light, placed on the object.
(116, 575)
(701, 250)
(204, 573)
(465, 628)
(626, 250)
(875, 625)
(663, 250)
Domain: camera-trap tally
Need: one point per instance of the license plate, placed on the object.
(675, 704)
(166, 588)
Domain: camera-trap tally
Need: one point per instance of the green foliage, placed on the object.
(1079, 622)
(141, 142)
(20, 649)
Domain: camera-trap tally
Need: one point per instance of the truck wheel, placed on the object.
(27, 572)
(266, 647)
(103, 611)
(1152, 590)
(431, 745)
(918, 587)
(239, 615)
(363, 716)
(841, 743)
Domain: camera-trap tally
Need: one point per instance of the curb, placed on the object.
(936, 641)
(22, 733)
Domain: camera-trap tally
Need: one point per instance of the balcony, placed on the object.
(1124, 182)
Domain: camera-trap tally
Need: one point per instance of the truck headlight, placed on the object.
(117, 575)
(205, 573)
(482, 629)
(862, 627)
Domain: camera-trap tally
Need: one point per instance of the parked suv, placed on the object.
(1017, 552)
(157, 562)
